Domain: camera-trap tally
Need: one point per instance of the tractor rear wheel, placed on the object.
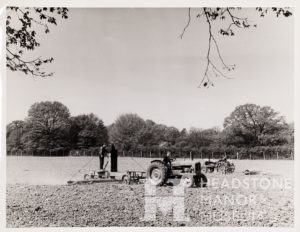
(157, 173)
(201, 180)
(187, 181)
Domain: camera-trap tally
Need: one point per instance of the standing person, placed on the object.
(167, 159)
(113, 159)
(102, 154)
(191, 155)
(224, 159)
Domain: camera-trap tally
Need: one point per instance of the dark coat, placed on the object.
(103, 151)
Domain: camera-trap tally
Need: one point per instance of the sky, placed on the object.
(114, 61)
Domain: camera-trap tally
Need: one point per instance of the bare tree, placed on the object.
(230, 16)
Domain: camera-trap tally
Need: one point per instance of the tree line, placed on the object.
(250, 130)
(49, 128)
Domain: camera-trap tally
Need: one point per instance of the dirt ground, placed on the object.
(38, 197)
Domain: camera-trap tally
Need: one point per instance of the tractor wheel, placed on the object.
(187, 181)
(231, 168)
(126, 179)
(157, 173)
(201, 181)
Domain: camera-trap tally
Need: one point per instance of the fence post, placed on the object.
(141, 153)
(264, 155)
(277, 154)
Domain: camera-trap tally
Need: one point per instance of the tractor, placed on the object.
(187, 174)
(223, 166)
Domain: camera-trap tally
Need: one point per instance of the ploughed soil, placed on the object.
(224, 202)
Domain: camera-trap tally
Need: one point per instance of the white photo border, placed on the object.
(153, 4)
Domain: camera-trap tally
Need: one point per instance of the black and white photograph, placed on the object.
(148, 117)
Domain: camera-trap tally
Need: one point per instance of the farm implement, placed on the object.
(187, 174)
(103, 176)
(223, 166)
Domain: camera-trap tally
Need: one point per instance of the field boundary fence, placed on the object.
(266, 155)
(243, 153)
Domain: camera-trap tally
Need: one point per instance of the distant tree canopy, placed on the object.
(87, 131)
(126, 130)
(253, 125)
(49, 128)
(14, 132)
(199, 138)
(249, 126)
(131, 132)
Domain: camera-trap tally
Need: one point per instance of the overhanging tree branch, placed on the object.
(212, 69)
(188, 23)
(23, 38)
